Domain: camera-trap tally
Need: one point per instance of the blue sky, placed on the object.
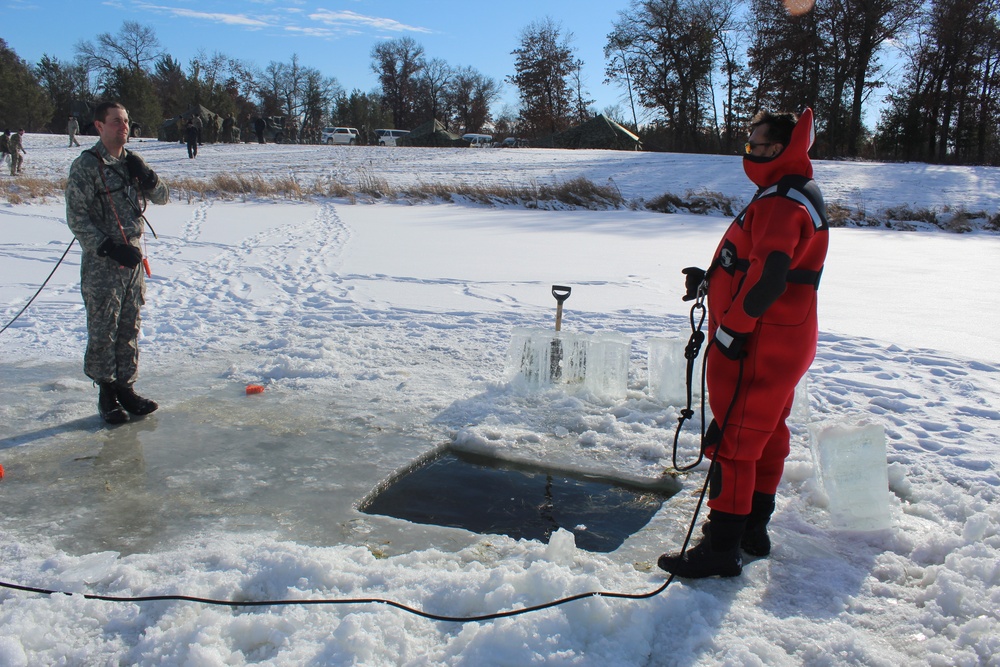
(335, 37)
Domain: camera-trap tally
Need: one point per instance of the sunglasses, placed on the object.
(749, 146)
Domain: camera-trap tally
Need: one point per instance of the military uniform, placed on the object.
(72, 127)
(103, 203)
(4, 147)
(15, 149)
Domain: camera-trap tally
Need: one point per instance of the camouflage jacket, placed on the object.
(99, 196)
(14, 143)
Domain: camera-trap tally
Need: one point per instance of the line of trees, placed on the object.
(132, 66)
(685, 59)
(697, 69)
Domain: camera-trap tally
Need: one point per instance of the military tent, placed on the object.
(598, 132)
(172, 129)
(431, 133)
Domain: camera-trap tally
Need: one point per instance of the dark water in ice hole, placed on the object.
(484, 495)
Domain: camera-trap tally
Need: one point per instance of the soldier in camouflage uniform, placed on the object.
(16, 148)
(4, 146)
(105, 196)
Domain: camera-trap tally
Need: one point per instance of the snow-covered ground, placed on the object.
(380, 331)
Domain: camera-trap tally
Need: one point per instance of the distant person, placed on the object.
(191, 137)
(762, 290)
(4, 147)
(198, 124)
(106, 193)
(15, 146)
(258, 127)
(72, 128)
(228, 124)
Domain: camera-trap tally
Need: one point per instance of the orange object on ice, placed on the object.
(255, 389)
(1, 472)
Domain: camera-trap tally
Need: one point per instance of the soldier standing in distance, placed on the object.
(4, 146)
(105, 197)
(72, 127)
(16, 149)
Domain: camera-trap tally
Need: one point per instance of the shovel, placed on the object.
(561, 293)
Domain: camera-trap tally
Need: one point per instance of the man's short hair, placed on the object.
(101, 112)
(779, 126)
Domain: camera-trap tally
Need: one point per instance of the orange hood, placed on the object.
(793, 160)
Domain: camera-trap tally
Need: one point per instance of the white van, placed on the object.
(479, 140)
(388, 137)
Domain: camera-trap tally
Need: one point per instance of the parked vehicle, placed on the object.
(514, 142)
(342, 136)
(388, 137)
(479, 140)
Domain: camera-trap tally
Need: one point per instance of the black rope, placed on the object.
(389, 603)
(65, 252)
(691, 351)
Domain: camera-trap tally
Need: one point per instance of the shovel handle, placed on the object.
(561, 292)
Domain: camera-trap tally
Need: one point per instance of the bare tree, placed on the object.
(134, 47)
(398, 63)
(543, 70)
(432, 87)
(470, 95)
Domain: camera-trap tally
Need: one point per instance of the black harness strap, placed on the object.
(800, 189)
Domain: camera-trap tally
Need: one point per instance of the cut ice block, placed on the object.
(542, 357)
(668, 371)
(852, 466)
(539, 357)
(800, 404)
(607, 364)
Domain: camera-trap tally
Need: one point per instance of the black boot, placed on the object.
(108, 406)
(133, 402)
(756, 541)
(717, 555)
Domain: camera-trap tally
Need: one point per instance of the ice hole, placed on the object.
(489, 496)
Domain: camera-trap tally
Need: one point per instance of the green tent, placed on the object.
(598, 132)
(172, 129)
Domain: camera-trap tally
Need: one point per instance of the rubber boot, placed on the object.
(133, 402)
(108, 406)
(756, 541)
(717, 555)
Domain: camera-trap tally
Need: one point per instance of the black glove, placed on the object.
(694, 277)
(731, 343)
(126, 255)
(140, 172)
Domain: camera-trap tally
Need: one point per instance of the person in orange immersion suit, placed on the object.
(762, 291)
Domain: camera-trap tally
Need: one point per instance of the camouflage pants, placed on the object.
(15, 163)
(113, 297)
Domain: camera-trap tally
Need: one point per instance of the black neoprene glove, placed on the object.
(140, 172)
(731, 343)
(693, 278)
(126, 255)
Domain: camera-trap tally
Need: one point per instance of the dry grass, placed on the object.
(24, 189)
(700, 202)
(576, 193)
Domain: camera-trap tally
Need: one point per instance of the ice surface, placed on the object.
(851, 462)
(291, 464)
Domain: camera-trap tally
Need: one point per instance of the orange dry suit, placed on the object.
(762, 290)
